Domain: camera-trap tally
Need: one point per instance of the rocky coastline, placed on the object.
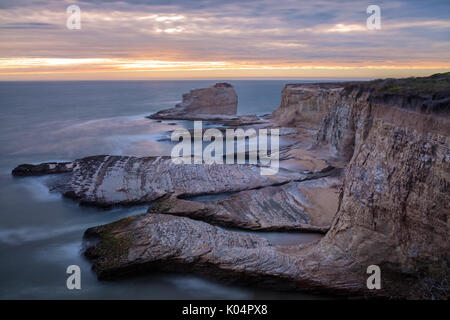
(367, 164)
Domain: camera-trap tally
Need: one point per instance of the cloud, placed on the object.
(27, 25)
(263, 32)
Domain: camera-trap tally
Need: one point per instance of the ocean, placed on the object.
(41, 232)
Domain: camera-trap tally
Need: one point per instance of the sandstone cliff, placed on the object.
(408, 102)
(395, 203)
(306, 104)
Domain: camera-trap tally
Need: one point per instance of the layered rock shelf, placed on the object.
(169, 243)
(295, 206)
(120, 180)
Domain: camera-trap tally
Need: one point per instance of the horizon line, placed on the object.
(205, 79)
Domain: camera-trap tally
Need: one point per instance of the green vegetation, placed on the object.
(426, 85)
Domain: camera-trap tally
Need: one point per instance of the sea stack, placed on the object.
(217, 100)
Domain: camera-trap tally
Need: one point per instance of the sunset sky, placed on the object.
(200, 39)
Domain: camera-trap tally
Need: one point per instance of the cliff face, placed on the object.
(337, 128)
(306, 104)
(407, 102)
(395, 203)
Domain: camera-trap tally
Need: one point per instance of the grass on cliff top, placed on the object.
(425, 85)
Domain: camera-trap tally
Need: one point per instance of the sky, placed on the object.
(226, 39)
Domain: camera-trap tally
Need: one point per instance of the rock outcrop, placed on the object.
(170, 243)
(296, 206)
(42, 169)
(216, 102)
(306, 104)
(120, 180)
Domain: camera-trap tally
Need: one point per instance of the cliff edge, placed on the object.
(395, 201)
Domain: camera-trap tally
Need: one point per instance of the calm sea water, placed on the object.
(41, 232)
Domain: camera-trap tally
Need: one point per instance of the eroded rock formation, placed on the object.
(42, 169)
(301, 206)
(395, 204)
(215, 102)
(306, 104)
(394, 210)
(121, 180)
(170, 243)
